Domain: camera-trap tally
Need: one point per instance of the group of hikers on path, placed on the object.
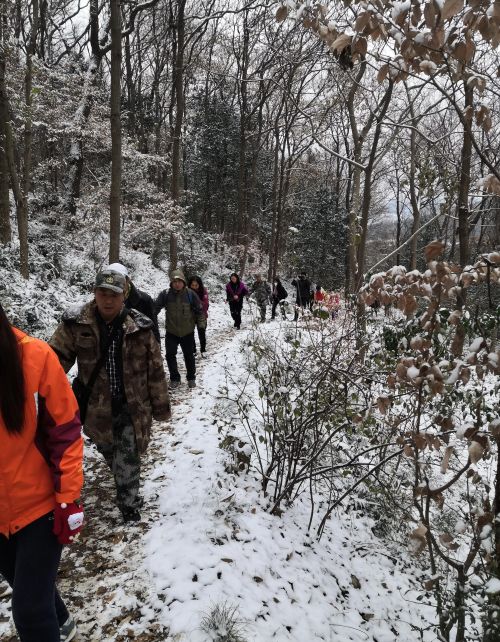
(306, 298)
(121, 386)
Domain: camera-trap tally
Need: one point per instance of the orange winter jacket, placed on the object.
(43, 464)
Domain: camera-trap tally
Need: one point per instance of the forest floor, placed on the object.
(206, 540)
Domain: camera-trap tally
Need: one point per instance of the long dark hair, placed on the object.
(200, 283)
(12, 389)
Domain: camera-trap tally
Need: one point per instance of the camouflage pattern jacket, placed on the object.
(261, 291)
(77, 339)
(183, 311)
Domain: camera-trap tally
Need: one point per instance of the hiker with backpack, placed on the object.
(261, 291)
(41, 481)
(303, 293)
(121, 383)
(183, 313)
(279, 295)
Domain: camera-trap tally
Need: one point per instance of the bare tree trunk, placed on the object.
(242, 151)
(75, 158)
(398, 221)
(414, 197)
(22, 218)
(367, 191)
(178, 81)
(5, 119)
(464, 184)
(42, 46)
(116, 133)
(492, 624)
(285, 173)
(5, 228)
(179, 102)
(354, 208)
(129, 79)
(173, 252)
(274, 197)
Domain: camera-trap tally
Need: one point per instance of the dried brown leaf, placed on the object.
(281, 14)
(382, 73)
(429, 15)
(451, 8)
(433, 250)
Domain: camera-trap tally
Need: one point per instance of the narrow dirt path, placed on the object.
(102, 577)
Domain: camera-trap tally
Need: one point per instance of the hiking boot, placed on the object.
(191, 383)
(68, 630)
(130, 515)
(174, 384)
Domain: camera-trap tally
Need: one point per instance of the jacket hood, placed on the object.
(178, 274)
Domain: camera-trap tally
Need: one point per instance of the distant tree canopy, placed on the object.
(220, 113)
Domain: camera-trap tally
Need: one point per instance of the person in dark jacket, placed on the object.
(303, 297)
(196, 284)
(278, 298)
(235, 291)
(183, 312)
(137, 299)
(261, 290)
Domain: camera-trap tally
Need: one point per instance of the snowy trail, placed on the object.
(206, 538)
(214, 543)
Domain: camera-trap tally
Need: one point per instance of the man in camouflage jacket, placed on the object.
(183, 312)
(261, 290)
(130, 388)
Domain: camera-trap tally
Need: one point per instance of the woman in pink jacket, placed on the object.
(196, 284)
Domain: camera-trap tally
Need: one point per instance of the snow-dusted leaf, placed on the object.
(446, 459)
(433, 250)
(408, 451)
(355, 582)
(428, 67)
(417, 540)
(476, 451)
(340, 43)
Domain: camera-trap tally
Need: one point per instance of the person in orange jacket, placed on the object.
(41, 479)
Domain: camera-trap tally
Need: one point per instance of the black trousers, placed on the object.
(29, 560)
(172, 342)
(282, 308)
(235, 308)
(302, 304)
(202, 336)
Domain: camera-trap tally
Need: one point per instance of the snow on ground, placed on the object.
(206, 539)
